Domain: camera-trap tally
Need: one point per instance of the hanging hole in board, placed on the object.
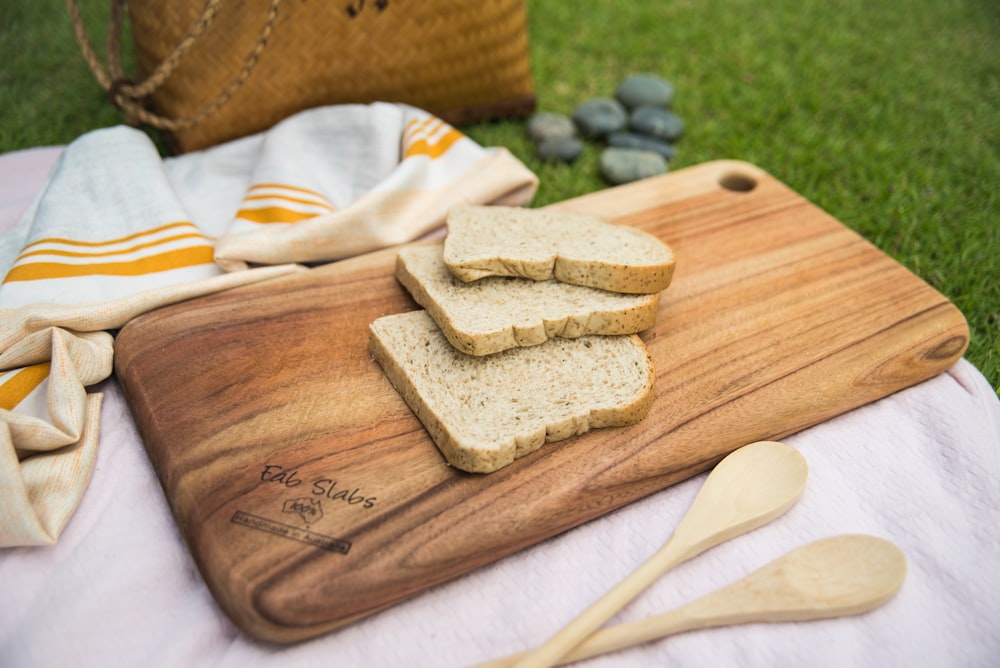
(737, 182)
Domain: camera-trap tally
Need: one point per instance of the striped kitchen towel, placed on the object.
(118, 231)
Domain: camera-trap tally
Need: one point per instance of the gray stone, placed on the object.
(559, 149)
(548, 125)
(656, 122)
(623, 165)
(599, 117)
(643, 142)
(645, 89)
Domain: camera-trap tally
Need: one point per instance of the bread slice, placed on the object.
(484, 412)
(540, 244)
(498, 313)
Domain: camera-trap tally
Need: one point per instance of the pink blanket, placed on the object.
(920, 468)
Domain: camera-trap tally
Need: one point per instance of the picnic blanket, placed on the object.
(920, 468)
(117, 231)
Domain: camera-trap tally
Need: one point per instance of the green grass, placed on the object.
(886, 115)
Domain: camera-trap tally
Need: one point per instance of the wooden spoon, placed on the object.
(747, 489)
(833, 577)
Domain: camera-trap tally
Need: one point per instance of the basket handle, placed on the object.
(127, 95)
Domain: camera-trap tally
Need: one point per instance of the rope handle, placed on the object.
(127, 95)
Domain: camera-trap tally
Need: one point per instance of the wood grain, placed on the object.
(310, 496)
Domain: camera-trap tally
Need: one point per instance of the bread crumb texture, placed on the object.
(483, 412)
(497, 313)
(540, 244)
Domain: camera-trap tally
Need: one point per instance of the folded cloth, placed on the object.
(117, 231)
(401, 168)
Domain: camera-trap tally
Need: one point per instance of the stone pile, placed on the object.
(637, 128)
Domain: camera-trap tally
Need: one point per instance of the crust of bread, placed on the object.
(484, 412)
(498, 313)
(539, 244)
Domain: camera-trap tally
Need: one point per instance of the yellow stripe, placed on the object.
(21, 384)
(175, 259)
(434, 150)
(416, 125)
(322, 201)
(310, 202)
(273, 214)
(282, 186)
(416, 128)
(97, 244)
(130, 249)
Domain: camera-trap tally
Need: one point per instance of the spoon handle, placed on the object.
(560, 644)
(613, 639)
(834, 577)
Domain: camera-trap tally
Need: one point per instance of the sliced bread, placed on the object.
(540, 244)
(498, 313)
(483, 412)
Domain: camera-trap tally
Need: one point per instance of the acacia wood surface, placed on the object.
(311, 497)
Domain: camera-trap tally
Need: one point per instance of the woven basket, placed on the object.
(228, 69)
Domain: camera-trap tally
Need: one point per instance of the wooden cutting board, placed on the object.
(310, 496)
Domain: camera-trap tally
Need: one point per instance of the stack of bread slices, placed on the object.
(528, 332)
